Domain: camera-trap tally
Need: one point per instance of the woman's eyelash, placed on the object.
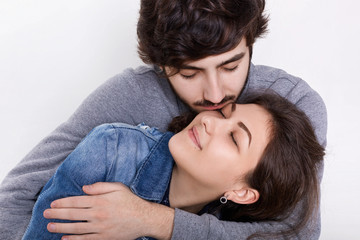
(222, 114)
(232, 136)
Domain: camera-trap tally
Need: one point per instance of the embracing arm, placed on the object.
(19, 189)
(208, 227)
(110, 219)
(115, 101)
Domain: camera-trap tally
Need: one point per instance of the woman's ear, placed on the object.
(243, 196)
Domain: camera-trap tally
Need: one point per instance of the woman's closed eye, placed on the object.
(231, 133)
(233, 139)
(222, 114)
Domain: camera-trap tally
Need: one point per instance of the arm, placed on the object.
(116, 213)
(87, 164)
(19, 189)
(118, 100)
(208, 227)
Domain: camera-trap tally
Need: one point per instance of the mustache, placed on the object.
(206, 103)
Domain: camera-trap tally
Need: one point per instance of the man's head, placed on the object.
(181, 37)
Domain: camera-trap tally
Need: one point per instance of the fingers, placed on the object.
(73, 202)
(68, 214)
(83, 237)
(103, 188)
(70, 228)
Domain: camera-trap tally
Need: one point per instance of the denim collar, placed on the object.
(153, 177)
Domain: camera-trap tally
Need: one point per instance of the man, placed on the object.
(201, 53)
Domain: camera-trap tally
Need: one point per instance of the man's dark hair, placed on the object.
(173, 32)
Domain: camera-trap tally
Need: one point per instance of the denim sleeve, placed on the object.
(87, 164)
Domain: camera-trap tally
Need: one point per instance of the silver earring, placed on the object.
(223, 199)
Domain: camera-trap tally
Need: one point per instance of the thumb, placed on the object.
(102, 188)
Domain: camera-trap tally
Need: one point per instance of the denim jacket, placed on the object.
(137, 156)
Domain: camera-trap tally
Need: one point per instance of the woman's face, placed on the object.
(217, 148)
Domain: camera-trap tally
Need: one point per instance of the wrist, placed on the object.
(159, 221)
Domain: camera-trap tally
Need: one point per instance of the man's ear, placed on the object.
(243, 196)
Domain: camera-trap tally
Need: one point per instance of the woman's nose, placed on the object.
(214, 123)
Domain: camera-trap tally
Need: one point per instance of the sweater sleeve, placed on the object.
(208, 227)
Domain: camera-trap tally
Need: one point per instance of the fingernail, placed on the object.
(46, 213)
(53, 204)
(51, 227)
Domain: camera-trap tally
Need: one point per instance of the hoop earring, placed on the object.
(223, 199)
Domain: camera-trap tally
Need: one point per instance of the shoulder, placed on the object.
(291, 87)
(126, 131)
(134, 96)
(261, 76)
(294, 89)
(141, 77)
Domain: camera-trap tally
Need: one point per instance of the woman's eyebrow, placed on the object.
(246, 129)
(241, 124)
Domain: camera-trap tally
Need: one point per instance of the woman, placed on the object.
(260, 159)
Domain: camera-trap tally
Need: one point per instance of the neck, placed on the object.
(185, 194)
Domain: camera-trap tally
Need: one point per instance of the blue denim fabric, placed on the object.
(137, 156)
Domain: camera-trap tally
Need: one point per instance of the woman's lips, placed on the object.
(194, 136)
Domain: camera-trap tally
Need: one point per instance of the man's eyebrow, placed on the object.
(191, 67)
(233, 59)
(245, 128)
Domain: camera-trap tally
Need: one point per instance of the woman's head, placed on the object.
(285, 172)
(218, 148)
(173, 32)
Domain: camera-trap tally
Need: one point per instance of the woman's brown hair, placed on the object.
(286, 175)
(173, 32)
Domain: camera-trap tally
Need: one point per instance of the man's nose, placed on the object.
(213, 90)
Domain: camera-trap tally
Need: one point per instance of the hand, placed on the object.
(111, 211)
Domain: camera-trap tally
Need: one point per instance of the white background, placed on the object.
(54, 53)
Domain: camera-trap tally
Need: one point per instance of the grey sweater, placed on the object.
(132, 97)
